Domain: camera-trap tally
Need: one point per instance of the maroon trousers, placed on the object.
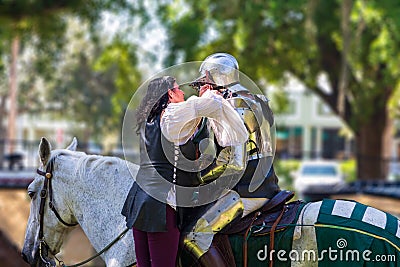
(158, 249)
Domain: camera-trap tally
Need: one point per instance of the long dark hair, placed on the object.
(155, 100)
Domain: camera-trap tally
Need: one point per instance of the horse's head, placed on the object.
(45, 232)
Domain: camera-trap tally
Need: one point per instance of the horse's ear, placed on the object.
(73, 144)
(44, 151)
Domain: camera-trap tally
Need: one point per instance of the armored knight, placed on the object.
(258, 180)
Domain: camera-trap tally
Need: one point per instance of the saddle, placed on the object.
(273, 216)
(265, 216)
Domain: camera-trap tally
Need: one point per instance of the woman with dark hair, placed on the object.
(154, 221)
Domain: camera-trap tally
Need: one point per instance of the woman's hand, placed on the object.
(206, 87)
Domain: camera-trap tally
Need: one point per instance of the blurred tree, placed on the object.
(354, 43)
(39, 27)
(94, 85)
(120, 59)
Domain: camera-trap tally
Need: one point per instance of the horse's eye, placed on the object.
(31, 194)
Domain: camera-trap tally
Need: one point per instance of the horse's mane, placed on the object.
(86, 163)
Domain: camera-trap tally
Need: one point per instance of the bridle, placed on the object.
(47, 190)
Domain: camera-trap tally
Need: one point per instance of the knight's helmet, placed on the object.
(222, 69)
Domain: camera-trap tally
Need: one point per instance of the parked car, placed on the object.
(318, 177)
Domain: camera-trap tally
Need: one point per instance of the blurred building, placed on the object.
(310, 130)
(30, 128)
(33, 127)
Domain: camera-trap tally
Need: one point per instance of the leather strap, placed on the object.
(223, 244)
(43, 196)
(272, 234)
(245, 239)
(47, 190)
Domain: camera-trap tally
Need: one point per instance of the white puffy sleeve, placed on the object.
(180, 120)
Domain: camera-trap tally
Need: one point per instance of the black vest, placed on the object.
(154, 166)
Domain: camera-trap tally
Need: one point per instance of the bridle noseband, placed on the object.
(47, 190)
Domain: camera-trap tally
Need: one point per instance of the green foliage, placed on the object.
(279, 101)
(185, 31)
(62, 68)
(95, 85)
(348, 168)
(84, 95)
(120, 60)
(41, 26)
(284, 169)
(303, 37)
(307, 38)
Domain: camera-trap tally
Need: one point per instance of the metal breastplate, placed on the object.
(256, 116)
(258, 126)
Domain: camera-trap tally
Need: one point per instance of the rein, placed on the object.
(47, 190)
(121, 235)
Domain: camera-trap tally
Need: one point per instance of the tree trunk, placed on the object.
(344, 66)
(2, 128)
(373, 146)
(13, 108)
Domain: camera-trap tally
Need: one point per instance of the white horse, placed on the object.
(90, 190)
(86, 189)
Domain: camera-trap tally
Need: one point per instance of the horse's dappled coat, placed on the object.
(89, 189)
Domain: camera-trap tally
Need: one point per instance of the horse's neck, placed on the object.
(97, 199)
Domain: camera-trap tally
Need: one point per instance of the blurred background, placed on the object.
(330, 69)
